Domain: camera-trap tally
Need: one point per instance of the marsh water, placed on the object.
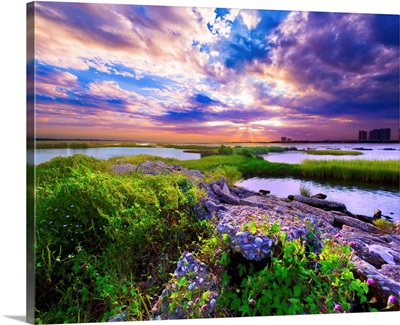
(358, 198)
(43, 155)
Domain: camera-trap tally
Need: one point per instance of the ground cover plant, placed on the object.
(299, 278)
(106, 243)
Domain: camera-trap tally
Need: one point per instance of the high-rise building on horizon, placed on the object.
(362, 135)
(379, 134)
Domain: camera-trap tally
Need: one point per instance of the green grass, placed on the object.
(369, 171)
(107, 243)
(248, 166)
(335, 152)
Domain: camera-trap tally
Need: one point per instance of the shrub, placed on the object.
(231, 174)
(384, 225)
(224, 150)
(105, 243)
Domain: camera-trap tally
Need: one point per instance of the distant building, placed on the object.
(286, 139)
(379, 134)
(362, 135)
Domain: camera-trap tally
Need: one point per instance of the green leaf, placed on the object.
(297, 290)
(252, 227)
(182, 281)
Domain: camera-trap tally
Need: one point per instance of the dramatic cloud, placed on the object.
(155, 73)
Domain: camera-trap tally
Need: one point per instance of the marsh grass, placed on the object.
(335, 152)
(248, 166)
(379, 171)
(305, 190)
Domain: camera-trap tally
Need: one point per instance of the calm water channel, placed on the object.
(43, 155)
(359, 199)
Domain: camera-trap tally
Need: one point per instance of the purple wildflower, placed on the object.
(370, 281)
(204, 307)
(251, 301)
(196, 301)
(351, 243)
(291, 233)
(391, 300)
(337, 307)
(304, 243)
(344, 242)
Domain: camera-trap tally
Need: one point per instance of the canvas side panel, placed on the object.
(30, 172)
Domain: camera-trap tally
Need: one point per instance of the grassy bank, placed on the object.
(335, 152)
(107, 243)
(248, 166)
(378, 171)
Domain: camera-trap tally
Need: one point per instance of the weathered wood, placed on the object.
(321, 204)
(355, 223)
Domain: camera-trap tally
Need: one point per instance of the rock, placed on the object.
(199, 279)
(377, 214)
(264, 192)
(322, 204)
(158, 167)
(123, 168)
(355, 223)
(320, 196)
(117, 318)
(154, 168)
(364, 218)
(383, 287)
(225, 197)
(252, 247)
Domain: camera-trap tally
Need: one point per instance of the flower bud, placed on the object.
(391, 300)
(337, 307)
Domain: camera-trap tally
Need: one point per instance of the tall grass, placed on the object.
(380, 171)
(248, 166)
(105, 243)
(335, 152)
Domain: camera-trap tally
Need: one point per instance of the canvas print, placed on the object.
(197, 163)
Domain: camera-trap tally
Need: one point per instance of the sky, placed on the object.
(152, 73)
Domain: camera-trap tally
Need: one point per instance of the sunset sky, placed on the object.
(184, 74)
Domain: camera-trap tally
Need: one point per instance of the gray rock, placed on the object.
(223, 196)
(200, 280)
(320, 196)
